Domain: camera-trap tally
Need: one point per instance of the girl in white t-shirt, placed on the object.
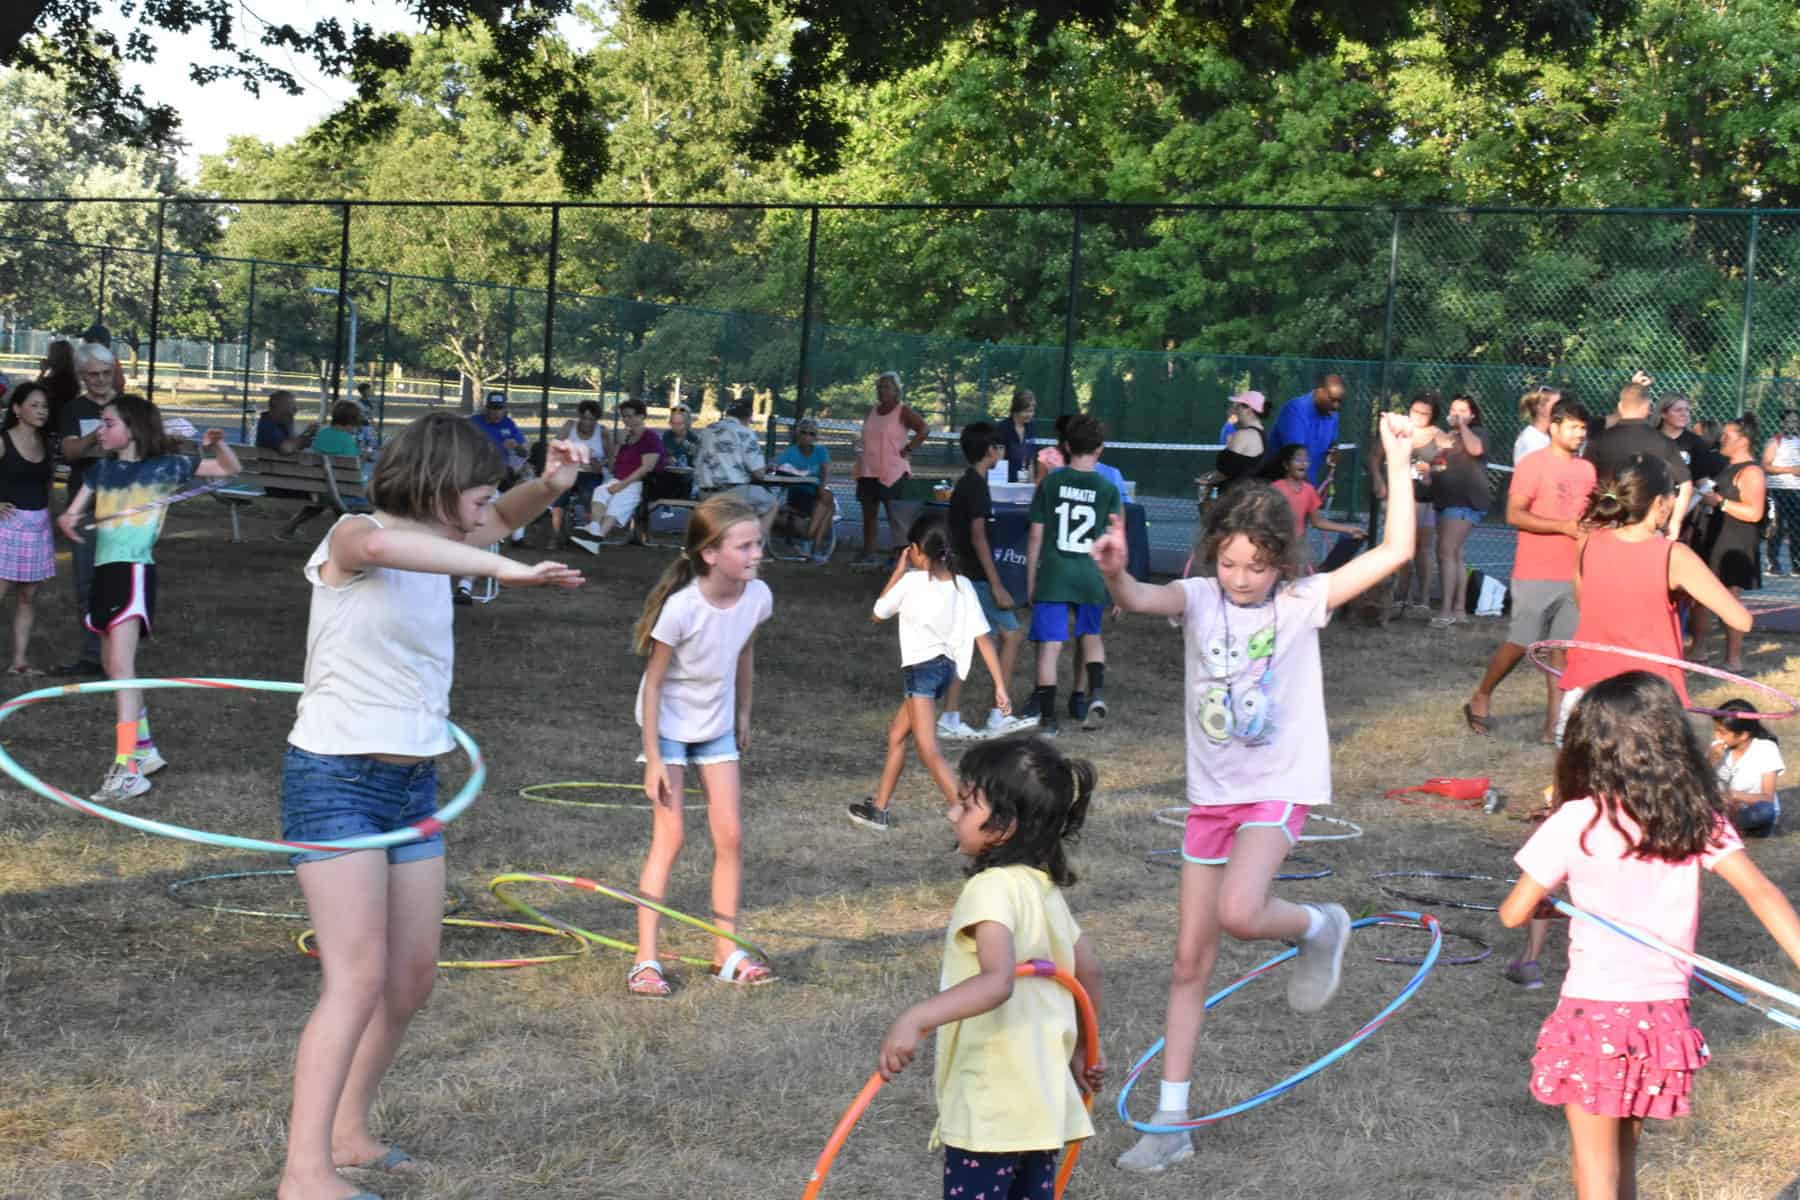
(1749, 764)
(941, 625)
(361, 759)
(1258, 751)
(1011, 1067)
(698, 629)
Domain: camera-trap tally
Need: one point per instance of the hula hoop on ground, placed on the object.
(1422, 920)
(1438, 901)
(1483, 950)
(1172, 859)
(1175, 817)
(453, 901)
(374, 841)
(1355, 830)
(535, 792)
(1534, 653)
(1090, 1040)
(304, 943)
(1702, 964)
(498, 884)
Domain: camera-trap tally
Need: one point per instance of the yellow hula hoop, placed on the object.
(304, 943)
(499, 883)
(536, 792)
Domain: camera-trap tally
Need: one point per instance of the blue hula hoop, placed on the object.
(1698, 961)
(374, 841)
(1423, 920)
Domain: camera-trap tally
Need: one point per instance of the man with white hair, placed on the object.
(97, 369)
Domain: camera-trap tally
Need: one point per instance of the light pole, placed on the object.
(350, 387)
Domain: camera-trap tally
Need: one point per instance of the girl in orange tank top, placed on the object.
(1626, 574)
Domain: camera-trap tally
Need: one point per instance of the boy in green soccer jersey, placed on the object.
(1068, 595)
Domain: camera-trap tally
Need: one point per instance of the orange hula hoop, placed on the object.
(1090, 1039)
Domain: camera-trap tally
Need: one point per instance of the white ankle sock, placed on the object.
(1173, 1097)
(1315, 921)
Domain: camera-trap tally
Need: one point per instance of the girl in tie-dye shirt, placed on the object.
(139, 469)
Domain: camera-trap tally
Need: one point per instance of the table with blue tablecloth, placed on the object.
(1010, 526)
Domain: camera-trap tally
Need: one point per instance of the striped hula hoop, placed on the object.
(1534, 652)
(374, 841)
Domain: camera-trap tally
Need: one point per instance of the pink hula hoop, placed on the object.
(1534, 653)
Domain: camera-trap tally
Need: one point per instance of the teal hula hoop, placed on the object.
(374, 841)
(1416, 920)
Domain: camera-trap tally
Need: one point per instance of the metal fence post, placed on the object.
(512, 319)
(803, 378)
(549, 321)
(156, 298)
(1065, 386)
(387, 365)
(343, 288)
(249, 327)
(100, 300)
(1749, 307)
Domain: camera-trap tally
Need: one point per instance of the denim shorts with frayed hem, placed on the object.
(329, 797)
(930, 678)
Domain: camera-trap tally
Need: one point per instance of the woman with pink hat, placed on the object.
(1246, 446)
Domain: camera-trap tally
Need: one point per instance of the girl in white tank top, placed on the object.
(372, 717)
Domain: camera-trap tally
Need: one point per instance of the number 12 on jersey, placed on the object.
(1076, 526)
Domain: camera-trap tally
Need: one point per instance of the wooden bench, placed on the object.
(334, 481)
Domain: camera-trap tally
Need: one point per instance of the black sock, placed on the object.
(1096, 677)
(1047, 702)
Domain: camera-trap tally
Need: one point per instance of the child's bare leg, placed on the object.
(1553, 694)
(118, 654)
(415, 913)
(1246, 909)
(924, 725)
(1594, 1144)
(665, 845)
(347, 898)
(722, 798)
(1046, 665)
(898, 730)
(953, 698)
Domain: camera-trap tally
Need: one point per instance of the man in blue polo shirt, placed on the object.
(493, 421)
(1311, 420)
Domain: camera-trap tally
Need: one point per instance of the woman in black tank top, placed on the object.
(27, 549)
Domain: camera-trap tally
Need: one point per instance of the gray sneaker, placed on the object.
(864, 812)
(1320, 962)
(1159, 1151)
(1526, 973)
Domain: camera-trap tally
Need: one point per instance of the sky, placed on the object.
(212, 114)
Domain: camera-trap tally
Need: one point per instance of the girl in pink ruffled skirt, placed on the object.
(1638, 815)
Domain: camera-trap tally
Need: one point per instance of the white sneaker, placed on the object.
(1314, 979)
(952, 727)
(999, 724)
(592, 529)
(121, 783)
(1159, 1151)
(150, 761)
(591, 547)
(518, 535)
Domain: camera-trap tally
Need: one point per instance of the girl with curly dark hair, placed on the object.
(1258, 752)
(1638, 814)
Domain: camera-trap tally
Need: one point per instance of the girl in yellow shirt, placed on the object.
(1009, 1087)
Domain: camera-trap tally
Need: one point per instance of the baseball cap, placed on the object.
(496, 399)
(1254, 401)
(806, 425)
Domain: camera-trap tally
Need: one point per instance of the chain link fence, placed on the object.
(1148, 316)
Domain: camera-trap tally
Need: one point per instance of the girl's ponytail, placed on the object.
(711, 519)
(1628, 497)
(1081, 774)
(931, 534)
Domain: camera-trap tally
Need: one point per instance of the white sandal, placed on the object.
(740, 970)
(655, 987)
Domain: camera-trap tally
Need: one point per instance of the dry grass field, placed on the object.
(144, 1045)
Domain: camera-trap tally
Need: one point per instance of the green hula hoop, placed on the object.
(453, 898)
(535, 792)
(304, 943)
(374, 841)
(498, 886)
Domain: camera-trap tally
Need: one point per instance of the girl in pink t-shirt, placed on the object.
(698, 630)
(1309, 507)
(1258, 750)
(1638, 816)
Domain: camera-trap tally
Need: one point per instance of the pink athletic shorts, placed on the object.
(1212, 828)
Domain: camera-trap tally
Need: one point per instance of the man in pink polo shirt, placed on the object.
(1550, 490)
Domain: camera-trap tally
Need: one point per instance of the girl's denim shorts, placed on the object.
(930, 678)
(723, 748)
(329, 797)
